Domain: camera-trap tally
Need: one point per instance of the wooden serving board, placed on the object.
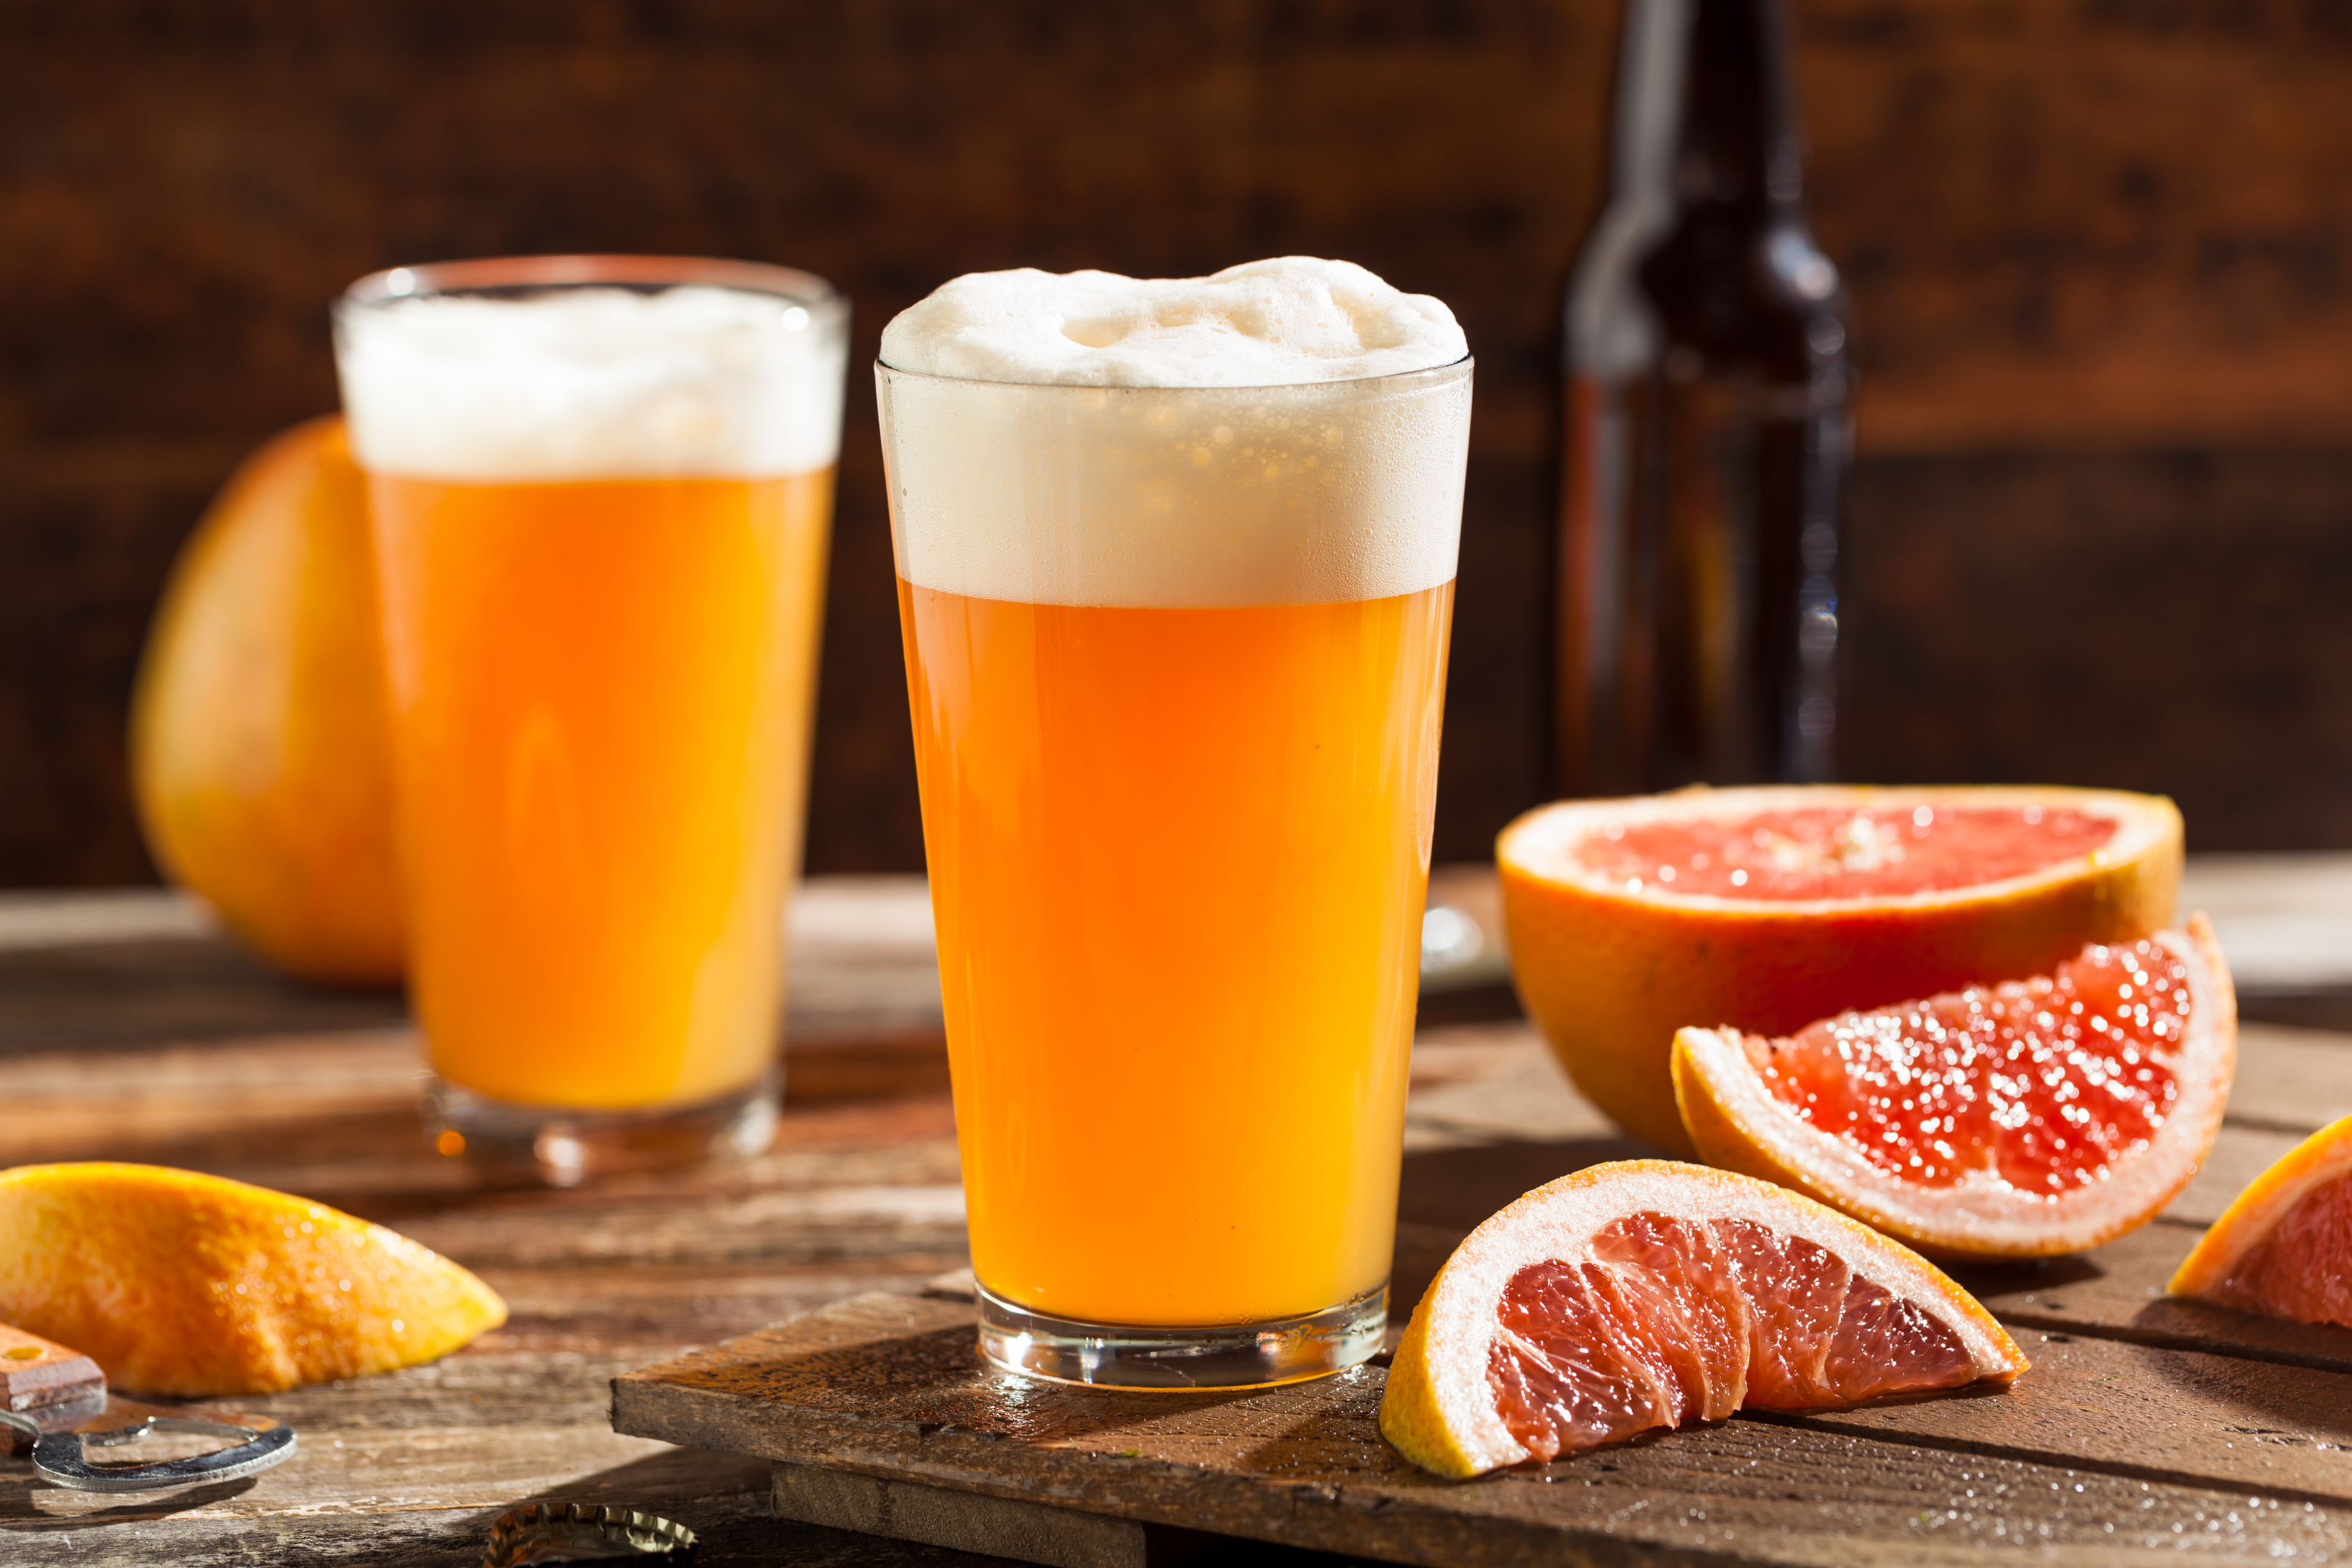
(878, 1416)
(2146, 1426)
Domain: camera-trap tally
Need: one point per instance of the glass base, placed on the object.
(1215, 1356)
(563, 1146)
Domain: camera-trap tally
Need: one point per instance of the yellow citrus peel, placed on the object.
(181, 1283)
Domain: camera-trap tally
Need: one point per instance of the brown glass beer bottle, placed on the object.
(1709, 379)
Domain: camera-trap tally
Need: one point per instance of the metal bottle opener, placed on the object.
(54, 1404)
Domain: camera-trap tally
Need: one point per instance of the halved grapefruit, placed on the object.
(2285, 1248)
(2021, 1120)
(1648, 1293)
(1767, 909)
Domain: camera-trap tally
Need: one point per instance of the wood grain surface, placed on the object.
(125, 1035)
(888, 1387)
(2237, 1428)
(2097, 253)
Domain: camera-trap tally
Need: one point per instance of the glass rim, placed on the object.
(394, 285)
(1467, 361)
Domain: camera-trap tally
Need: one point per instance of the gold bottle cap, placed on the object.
(582, 1533)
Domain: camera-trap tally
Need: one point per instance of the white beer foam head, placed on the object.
(1265, 323)
(592, 383)
(1288, 432)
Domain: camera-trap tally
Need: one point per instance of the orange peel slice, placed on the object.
(180, 1283)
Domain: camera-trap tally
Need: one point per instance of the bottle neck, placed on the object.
(1704, 242)
(1736, 145)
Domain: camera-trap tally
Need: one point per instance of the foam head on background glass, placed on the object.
(599, 490)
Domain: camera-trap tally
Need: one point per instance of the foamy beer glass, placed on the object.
(600, 488)
(1176, 566)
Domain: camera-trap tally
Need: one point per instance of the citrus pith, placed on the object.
(1648, 1293)
(181, 1283)
(2022, 1120)
(2283, 1246)
(259, 759)
(1767, 909)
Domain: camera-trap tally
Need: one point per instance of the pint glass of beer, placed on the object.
(600, 488)
(1175, 574)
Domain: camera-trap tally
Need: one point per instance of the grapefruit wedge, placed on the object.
(2284, 1249)
(2021, 1120)
(1765, 909)
(1648, 1293)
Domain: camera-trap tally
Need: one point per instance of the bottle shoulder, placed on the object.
(1730, 286)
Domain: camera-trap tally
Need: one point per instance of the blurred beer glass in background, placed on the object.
(600, 488)
(1177, 665)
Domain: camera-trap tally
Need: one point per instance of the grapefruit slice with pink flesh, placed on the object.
(2284, 1249)
(1767, 909)
(2021, 1120)
(1649, 1293)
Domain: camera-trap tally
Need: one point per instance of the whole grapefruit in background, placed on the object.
(180, 1283)
(259, 760)
(1763, 910)
(2283, 1246)
(1646, 1293)
(2022, 1120)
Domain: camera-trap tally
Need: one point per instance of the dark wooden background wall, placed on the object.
(2102, 249)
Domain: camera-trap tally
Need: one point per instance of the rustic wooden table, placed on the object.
(128, 1032)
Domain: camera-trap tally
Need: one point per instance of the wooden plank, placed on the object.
(2239, 1154)
(411, 1467)
(135, 994)
(1477, 1139)
(2284, 921)
(725, 1497)
(1950, 558)
(1000, 1527)
(860, 1197)
(477, 1432)
(889, 1388)
(2113, 224)
(2148, 1413)
(523, 1412)
(63, 1102)
(2291, 1080)
(2124, 1409)
(45, 920)
(1937, 178)
(2117, 1292)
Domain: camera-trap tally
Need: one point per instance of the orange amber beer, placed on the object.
(600, 493)
(1176, 659)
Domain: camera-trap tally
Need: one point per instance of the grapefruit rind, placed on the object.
(1737, 1125)
(1611, 974)
(2326, 1156)
(1439, 1410)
